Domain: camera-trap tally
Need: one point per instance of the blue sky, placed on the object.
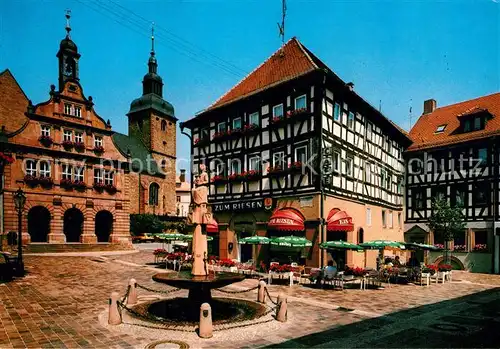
(399, 52)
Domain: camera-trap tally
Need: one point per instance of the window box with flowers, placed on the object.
(236, 177)
(252, 175)
(66, 183)
(79, 185)
(460, 248)
(295, 167)
(200, 142)
(444, 267)
(31, 180)
(45, 181)
(229, 134)
(297, 113)
(99, 186)
(46, 140)
(79, 146)
(249, 129)
(110, 188)
(5, 159)
(439, 246)
(283, 268)
(276, 171)
(278, 120)
(68, 145)
(480, 248)
(98, 149)
(218, 180)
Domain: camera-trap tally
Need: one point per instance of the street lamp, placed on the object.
(19, 201)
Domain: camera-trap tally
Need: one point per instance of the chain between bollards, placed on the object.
(235, 292)
(158, 291)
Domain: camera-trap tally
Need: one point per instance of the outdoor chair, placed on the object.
(425, 278)
(297, 273)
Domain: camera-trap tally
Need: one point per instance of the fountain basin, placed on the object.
(199, 286)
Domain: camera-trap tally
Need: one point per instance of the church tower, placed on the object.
(151, 118)
(68, 57)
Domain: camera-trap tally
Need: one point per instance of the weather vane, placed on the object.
(68, 27)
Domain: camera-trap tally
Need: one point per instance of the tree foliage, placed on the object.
(446, 219)
(146, 223)
(152, 224)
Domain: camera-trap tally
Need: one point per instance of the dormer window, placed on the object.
(474, 119)
(441, 128)
(477, 123)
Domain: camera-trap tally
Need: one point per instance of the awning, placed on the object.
(339, 220)
(287, 219)
(213, 226)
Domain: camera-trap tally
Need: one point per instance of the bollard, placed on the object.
(132, 294)
(205, 330)
(281, 310)
(261, 294)
(114, 315)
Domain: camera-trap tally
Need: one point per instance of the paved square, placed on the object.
(63, 300)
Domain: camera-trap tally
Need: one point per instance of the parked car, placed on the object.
(143, 238)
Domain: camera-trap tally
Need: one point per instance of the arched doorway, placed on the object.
(73, 224)
(38, 223)
(103, 225)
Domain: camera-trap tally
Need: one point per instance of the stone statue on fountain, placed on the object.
(200, 216)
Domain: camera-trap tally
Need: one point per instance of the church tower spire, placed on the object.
(152, 82)
(68, 56)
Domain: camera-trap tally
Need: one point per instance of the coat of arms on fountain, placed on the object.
(200, 213)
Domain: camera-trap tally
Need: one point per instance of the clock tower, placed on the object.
(68, 57)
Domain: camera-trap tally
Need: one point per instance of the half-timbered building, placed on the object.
(455, 156)
(294, 150)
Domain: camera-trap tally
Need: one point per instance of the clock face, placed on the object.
(68, 67)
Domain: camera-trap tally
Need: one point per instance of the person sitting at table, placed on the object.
(327, 272)
(397, 262)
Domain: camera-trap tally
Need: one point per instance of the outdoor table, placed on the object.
(288, 274)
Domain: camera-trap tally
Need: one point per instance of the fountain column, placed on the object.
(200, 216)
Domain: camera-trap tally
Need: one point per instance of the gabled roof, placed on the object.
(424, 133)
(13, 103)
(292, 62)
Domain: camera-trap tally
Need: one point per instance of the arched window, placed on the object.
(154, 189)
(163, 125)
(361, 236)
(163, 164)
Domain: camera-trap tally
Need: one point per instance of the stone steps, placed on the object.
(74, 247)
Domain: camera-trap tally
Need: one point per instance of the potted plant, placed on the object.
(236, 177)
(252, 175)
(277, 119)
(218, 179)
(300, 111)
(276, 171)
(46, 140)
(296, 166)
(460, 248)
(250, 128)
(444, 267)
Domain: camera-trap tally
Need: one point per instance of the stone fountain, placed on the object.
(199, 281)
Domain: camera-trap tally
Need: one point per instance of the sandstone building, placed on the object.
(83, 180)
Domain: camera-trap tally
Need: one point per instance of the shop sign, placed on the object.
(286, 221)
(240, 206)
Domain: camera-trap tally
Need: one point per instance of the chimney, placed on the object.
(182, 177)
(350, 86)
(429, 106)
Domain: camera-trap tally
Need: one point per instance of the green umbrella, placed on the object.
(291, 241)
(190, 237)
(174, 236)
(254, 240)
(340, 245)
(416, 245)
(381, 244)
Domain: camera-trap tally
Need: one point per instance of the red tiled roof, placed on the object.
(293, 62)
(424, 133)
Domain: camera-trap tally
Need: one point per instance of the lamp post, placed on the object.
(19, 201)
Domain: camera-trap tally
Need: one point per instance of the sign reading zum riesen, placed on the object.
(239, 206)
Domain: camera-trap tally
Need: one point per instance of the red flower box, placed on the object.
(285, 268)
(276, 171)
(480, 247)
(99, 186)
(444, 267)
(66, 183)
(250, 128)
(6, 158)
(99, 149)
(300, 111)
(218, 179)
(110, 188)
(46, 140)
(45, 181)
(296, 166)
(277, 119)
(235, 177)
(31, 180)
(80, 146)
(252, 175)
(80, 185)
(67, 144)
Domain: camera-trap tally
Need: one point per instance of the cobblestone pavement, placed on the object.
(60, 301)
